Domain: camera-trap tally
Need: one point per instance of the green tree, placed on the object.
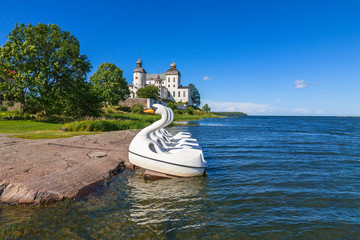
(206, 108)
(47, 70)
(110, 84)
(195, 95)
(149, 92)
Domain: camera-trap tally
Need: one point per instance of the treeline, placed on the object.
(42, 69)
(230, 114)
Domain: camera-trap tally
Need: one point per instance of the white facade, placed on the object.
(169, 84)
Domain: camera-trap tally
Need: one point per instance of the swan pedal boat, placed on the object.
(155, 149)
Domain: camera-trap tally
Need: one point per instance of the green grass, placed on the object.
(30, 129)
(50, 134)
(22, 126)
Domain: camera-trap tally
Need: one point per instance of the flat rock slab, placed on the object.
(41, 171)
(97, 154)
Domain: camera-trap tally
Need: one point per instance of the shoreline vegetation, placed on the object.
(230, 114)
(112, 119)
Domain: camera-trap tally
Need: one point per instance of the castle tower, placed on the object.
(139, 75)
(173, 79)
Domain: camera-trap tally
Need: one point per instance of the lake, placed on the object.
(268, 178)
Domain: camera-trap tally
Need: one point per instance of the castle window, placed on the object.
(174, 79)
(179, 94)
(184, 94)
(169, 85)
(169, 79)
(168, 94)
(174, 94)
(174, 85)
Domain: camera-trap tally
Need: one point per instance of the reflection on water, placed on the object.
(130, 208)
(165, 200)
(268, 178)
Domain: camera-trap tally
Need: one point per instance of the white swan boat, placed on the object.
(177, 157)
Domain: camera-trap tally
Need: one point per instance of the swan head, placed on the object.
(157, 109)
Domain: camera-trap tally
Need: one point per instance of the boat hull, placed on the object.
(165, 167)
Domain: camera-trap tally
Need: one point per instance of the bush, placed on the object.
(178, 111)
(104, 125)
(10, 103)
(172, 106)
(109, 110)
(123, 108)
(189, 110)
(40, 117)
(142, 117)
(3, 109)
(137, 108)
(199, 112)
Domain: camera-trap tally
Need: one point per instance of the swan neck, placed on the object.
(155, 126)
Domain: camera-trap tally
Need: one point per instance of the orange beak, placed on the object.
(150, 110)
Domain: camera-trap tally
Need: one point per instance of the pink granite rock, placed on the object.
(41, 171)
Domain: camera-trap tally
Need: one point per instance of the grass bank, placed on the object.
(111, 121)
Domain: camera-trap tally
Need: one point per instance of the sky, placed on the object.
(258, 57)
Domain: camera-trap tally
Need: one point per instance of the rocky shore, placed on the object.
(42, 171)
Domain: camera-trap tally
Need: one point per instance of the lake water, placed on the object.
(268, 178)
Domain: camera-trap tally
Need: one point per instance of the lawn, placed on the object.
(50, 134)
(23, 126)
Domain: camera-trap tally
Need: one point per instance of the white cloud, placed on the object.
(246, 107)
(207, 78)
(320, 112)
(300, 84)
(301, 111)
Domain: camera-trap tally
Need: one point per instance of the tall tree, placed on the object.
(149, 92)
(49, 73)
(110, 84)
(195, 95)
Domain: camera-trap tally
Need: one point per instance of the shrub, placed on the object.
(172, 106)
(178, 111)
(199, 112)
(137, 108)
(10, 103)
(109, 110)
(104, 125)
(3, 109)
(124, 108)
(189, 110)
(142, 117)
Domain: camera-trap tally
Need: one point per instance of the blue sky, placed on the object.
(259, 57)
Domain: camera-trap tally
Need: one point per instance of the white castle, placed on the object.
(169, 84)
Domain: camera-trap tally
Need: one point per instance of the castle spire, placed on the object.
(173, 64)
